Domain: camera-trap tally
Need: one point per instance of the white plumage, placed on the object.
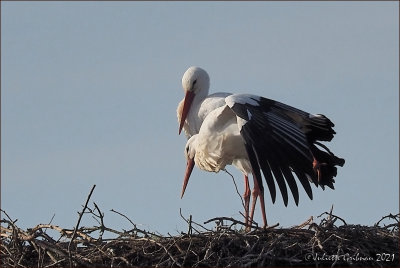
(219, 143)
(255, 135)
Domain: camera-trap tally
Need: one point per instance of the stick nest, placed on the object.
(223, 245)
(309, 244)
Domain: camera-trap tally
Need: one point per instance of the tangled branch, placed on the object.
(224, 243)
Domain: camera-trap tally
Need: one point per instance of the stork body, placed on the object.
(255, 135)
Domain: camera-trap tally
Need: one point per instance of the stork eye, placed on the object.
(194, 82)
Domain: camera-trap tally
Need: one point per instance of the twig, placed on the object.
(11, 221)
(302, 225)
(228, 219)
(123, 215)
(135, 229)
(237, 191)
(329, 220)
(190, 225)
(390, 216)
(190, 222)
(101, 216)
(52, 218)
(77, 225)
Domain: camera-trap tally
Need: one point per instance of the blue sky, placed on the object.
(90, 89)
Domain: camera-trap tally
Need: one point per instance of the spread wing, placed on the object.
(279, 142)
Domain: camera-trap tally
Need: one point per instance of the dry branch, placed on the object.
(77, 225)
(223, 244)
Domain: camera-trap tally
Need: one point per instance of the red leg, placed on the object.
(262, 203)
(257, 192)
(246, 197)
(254, 195)
(317, 168)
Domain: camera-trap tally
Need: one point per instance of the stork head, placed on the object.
(195, 79)
(190, 151)
(195, 82)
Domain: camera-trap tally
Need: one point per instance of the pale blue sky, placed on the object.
(90, 89)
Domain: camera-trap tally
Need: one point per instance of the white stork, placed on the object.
(255, 134)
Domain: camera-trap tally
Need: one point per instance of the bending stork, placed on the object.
(255, 135)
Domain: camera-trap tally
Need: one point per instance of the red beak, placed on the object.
(189, 168)
(186, 106)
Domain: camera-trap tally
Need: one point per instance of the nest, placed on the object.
(225, 244)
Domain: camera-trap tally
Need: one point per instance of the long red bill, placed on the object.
(189, 168)
(186, 106)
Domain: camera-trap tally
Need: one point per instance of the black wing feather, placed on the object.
(273, 143)
(266, 169)
(291, 182)
(280, 141)
(254, 164)
(305, 182)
